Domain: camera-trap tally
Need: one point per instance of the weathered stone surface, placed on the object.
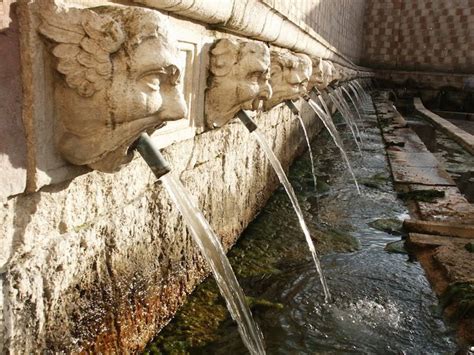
(440, 228)
(238, 79)
(12, 135)
(290, 73)
(119, 63)
(106, 277)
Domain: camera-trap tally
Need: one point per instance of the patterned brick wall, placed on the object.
(426, 35)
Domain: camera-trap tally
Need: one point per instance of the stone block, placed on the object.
(13, 162)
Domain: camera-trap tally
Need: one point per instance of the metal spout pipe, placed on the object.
(292, 107)
(247, 121)
(152, 156)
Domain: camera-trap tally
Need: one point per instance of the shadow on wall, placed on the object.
(339, 22)
(12, 135)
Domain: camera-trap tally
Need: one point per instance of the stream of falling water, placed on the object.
(347, 118)
(354, 102)
(308, 142)
(212, 250)
(349, 112)
(294, 201)
(331, 128)
(357, 96)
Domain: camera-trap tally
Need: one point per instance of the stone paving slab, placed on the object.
(410, 139)
(430, 240)
(433, 176)
(439, 228)
(454, 207)
(414, 159)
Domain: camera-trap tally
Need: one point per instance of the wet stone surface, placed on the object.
(382, 302)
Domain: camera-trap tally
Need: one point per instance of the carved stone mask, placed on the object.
(290, 74)
(238, 79)
(336, 74)
(119, 76)
(316, 78)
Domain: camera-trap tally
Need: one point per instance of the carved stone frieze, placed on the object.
(290, 73)
(117, 76)
(238, 79)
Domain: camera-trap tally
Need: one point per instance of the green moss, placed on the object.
(388, 225)
(343, 241)
(376, 181)
(263, 303)
(195, 325)
(461, 295)
(421, 195)
(469, 247)
(396, 247)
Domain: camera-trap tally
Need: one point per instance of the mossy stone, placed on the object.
(388, 225)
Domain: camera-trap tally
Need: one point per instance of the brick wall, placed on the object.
(424, 35)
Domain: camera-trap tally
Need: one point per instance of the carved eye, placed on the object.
(152, 81)
(167, 75)
(255, 75)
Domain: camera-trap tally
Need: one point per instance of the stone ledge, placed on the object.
(465, 139)
(254, 19)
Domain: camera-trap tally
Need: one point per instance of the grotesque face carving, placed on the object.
(322, 74)
(120, 78)
(290, 74)
(238, 79)
(336, 74)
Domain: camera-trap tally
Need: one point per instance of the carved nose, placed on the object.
(265, 92)
(295, 78)
(174, 106)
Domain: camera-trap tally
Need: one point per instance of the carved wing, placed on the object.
(83, 41)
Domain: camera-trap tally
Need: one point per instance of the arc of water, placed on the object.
(209, 245)
(345, 115)
(296, 112)
(345, 102)
(358, 97)
(354, 103)
(294, 201)
(255, 132)
(349, 112)
(329, 124)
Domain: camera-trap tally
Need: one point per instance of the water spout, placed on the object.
(209, 245)
(291, 194)
(331, 128)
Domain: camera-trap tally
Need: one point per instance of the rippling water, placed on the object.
(382, 304)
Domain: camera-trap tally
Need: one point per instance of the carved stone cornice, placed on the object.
(254, 19)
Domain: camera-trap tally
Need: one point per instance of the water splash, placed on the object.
(331, 128)
(294, 201)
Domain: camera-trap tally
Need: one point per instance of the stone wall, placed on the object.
(420, 35)
(101, 262)
(339, 22)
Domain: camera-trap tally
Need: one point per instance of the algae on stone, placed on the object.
(388, 225)
(421, 195)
